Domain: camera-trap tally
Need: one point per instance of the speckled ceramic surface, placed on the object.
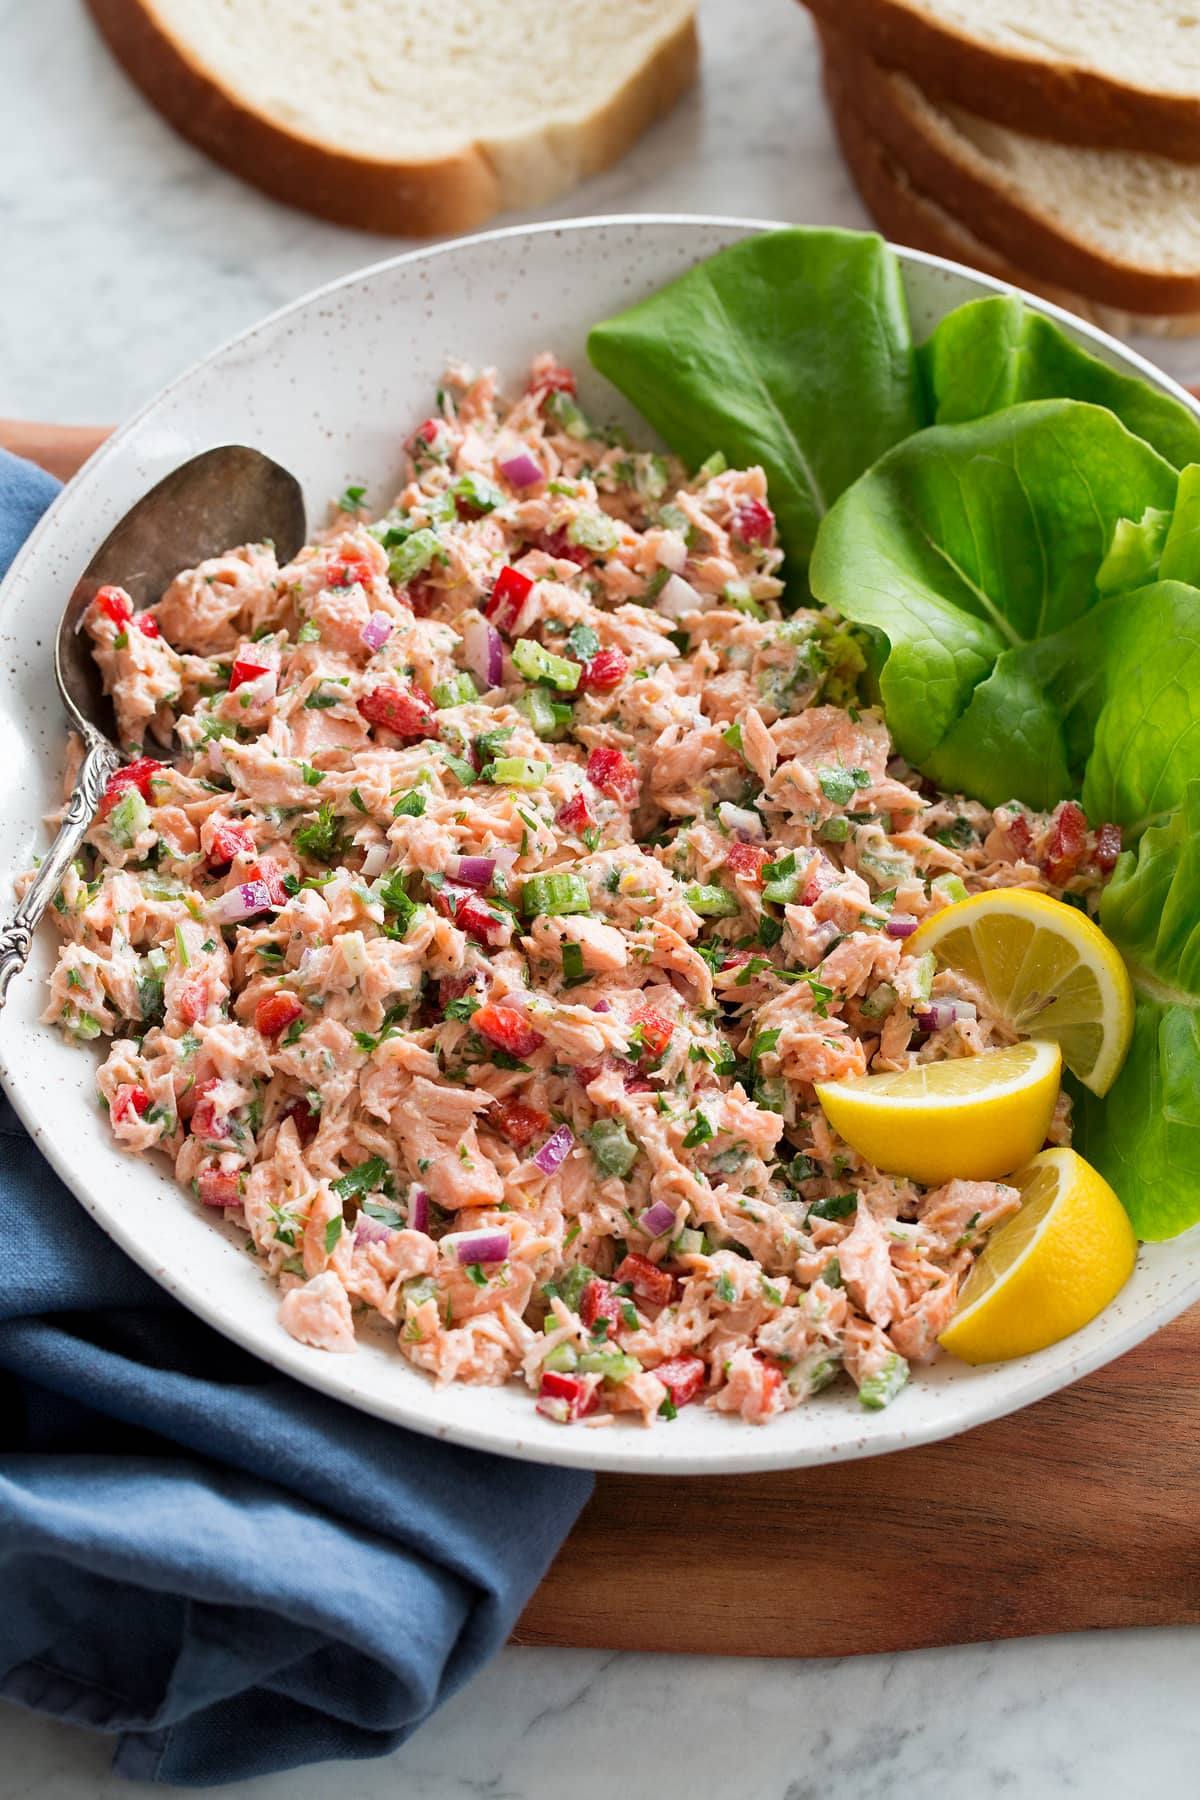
(329, 387)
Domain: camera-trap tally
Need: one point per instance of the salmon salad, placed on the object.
(486, 892)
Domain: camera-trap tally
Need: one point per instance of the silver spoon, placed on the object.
(227, 496)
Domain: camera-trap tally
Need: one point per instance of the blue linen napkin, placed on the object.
(232, 1573)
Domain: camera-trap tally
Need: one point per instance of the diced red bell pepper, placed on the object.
(218, 1187)
(824, 875)
(408, 712)
(245, 669)
(612, 772)
(147, 624)
(115, 604)
(753, 522)
(553, 380)
(275, 1012)
(1067, 848)
(519, 1124)
(304, 1119)
(747, 861)
(606, 671)
(194, 1000)
(599, 1302)
(506, 599)
(470, 912)
(507, 1028)
(129, 1099)
(683, 1377)
(207, 1123)
(267, 870)
(559, 545)
(565, 1398)
(228, 841)
(772, 1378)
(655, 1032)
(1108, 847)
(648, 1281)
(1020, 835)
(348, 570)
(575, 815)
(137, 774)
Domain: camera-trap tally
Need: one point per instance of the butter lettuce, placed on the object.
(974, 549)
(791, 350)
(1144, 1136)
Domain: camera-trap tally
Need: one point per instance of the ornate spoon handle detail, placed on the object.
(16, 938)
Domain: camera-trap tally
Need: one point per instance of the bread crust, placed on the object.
(414, 199)
(1030, 239)
(1070, 104)
(910, 217)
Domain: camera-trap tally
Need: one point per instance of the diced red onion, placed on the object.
(554, 1151)
(489, 1246)
(519, 467)
(672, 552)
(742, 821)
(474, 871)
(940, 1014)
(601, 1005)
(240, 903)
(376, 860)
(901, 925)
(658, 1219)
(418, 1210)
(677, 597)
(370, 1231)
(483, 650)
(505, 858)
(376, 632)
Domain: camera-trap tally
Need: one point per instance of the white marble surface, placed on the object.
(125, 256)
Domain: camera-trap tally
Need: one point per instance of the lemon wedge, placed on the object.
(1049, 1270)
(1048, 970)
(975, 1116)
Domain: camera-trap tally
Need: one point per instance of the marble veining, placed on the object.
(126, 256)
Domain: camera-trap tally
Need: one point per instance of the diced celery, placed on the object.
(614, 1365)
(593, 531)
(711, 901)
(536, 663)
(650, 475)
(128, 817)
(835, 830)
(879, 1004)
(561, 891)
(951, 888)
(414, 555)
(562, 1359)
(923, 975)
(566, 414)
(456, 690)
(536, 705)
(570, 1285)
(612, 1147)
(478, 493)
(518, 771)
(783, 890)
(887, 870)
(880, 1390)
(737, 594)
(716, 464)
(688, 1242)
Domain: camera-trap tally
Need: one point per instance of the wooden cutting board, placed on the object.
(1079, 1513)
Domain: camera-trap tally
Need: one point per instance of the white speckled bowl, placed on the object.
(329, 386)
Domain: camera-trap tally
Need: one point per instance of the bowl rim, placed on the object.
(592, 1450)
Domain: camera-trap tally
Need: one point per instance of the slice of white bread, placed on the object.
(407, 116)
(908, 216)
(1121, 74)
(1120, 227)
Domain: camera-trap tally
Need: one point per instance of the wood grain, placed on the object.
(1077, 1513)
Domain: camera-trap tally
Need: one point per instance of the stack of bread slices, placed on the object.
(1052, 143)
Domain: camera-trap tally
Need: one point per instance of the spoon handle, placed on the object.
(16, 938)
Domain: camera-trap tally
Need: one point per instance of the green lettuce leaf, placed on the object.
(791, 350)
(974, 549)
(1144, 1136)
(994, 353)
(1145, 739)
